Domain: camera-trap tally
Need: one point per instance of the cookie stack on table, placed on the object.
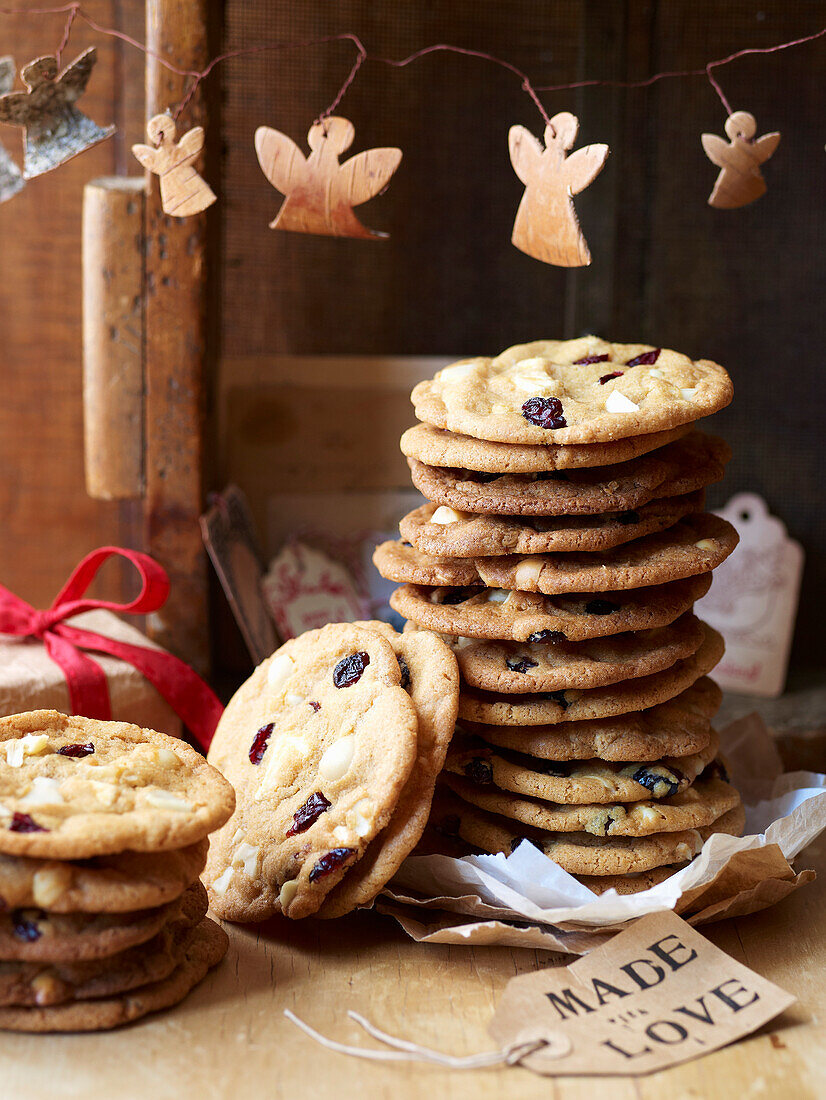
(103, 831)
(560, 555)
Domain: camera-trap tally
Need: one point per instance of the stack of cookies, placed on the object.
(333, 746)
(560, 554)
(103, 831)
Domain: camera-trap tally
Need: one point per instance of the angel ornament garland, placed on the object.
(55, 130)
(546, 224)
(740, 180)
(320, 191)
(183, 191)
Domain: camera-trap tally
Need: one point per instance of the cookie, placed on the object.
(584, 853)
(207, 947)
(575, 782)
(34, 983)
(445, 533)
(682, 467)
(40, 936)
(572, 391)
(477, 612)
(701, 804)
(431, 677)
(574, 705)
(72, 787)
(106, 884)
(697, 544)
(437, 447)
(515, 667)
(628, 884)
(678, 727)
(319, 744)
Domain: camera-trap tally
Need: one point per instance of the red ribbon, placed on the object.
(195, 703)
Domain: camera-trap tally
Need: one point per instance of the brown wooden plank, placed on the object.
(175, 343)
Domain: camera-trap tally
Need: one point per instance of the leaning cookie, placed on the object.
(72, 788)
(572, 391)
(319, 744)
(431, 677)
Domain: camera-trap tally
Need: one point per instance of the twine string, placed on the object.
(75, 11)
(404, 1051)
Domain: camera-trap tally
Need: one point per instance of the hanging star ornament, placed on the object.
(546, 225)
(740, 180)
(11, 178)
(320, 191)
(183, 191)
(55, 130)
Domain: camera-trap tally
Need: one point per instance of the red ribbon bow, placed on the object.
(185, 691)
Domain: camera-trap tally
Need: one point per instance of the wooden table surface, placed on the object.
(231, 1040)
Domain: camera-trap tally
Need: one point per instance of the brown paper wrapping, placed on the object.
(30, 680)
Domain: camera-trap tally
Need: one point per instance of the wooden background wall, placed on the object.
(745, 287)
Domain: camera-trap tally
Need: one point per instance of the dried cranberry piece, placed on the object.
(316, 706)
(479, 771)
(627, 518)
(588, 359)
(558, 697)
(601, 607)
(260, 742)
(329, 863)
(547, 636)
(520, 664)
(661, 786)
(349, 670)
(607, 377)
(25, 929)
(405, 671)
(309, 813)
(545, 412)
(77, 751)
(24, 823)
(646, 359)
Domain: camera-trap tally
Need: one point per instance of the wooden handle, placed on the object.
(113, 210)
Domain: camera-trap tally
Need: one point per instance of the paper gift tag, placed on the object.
(655, 995)
(753, 600)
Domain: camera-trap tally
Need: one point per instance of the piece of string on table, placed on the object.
(75, 11)
(404, 1051)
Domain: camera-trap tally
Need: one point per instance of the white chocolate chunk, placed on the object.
(361, 817)
(647, 813)
(688, 394)
(337, 759)
(104, 792)
(655, 372)
(246, 854)
(280, 670)
(618, 403)
(457, 372)
(443, 515)
(45, 987)
(705, 544)
(286, 894)
(284, 760)
(221, 884)
(292, 699)
(50, 884)
(33, 744)
(44, 791)
(167, 758)
(342, 834)
(683, 852)
(166, 800)
(528, 570)
(497, 595)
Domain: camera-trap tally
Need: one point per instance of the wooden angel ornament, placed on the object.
(183, 191)
(55, 130)
(546, 224)
(320, 191)
(740, 180)
(11, 178)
